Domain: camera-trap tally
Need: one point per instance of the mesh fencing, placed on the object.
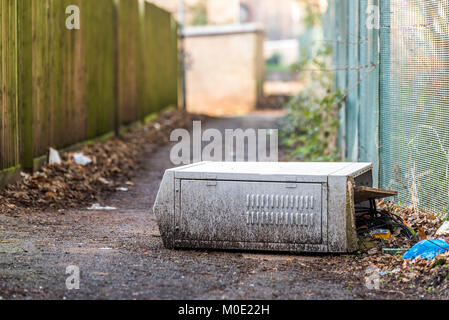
(391, 59)
(415, 113)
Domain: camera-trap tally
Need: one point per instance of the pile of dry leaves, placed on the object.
(113, 163)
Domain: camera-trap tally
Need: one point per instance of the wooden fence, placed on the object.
(59, 87)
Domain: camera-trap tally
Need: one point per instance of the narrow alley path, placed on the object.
(121, 256)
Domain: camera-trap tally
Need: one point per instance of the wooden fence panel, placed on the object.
(129, 42)
(9, 116)
(98, 31)
(59, 87)
(50, 73)
(160, 63)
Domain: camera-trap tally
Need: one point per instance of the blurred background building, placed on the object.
(282, 19)
(224, 50)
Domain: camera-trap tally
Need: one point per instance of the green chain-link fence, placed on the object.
(392, 62)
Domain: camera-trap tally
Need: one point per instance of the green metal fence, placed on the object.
(396, 76)
(60, 86)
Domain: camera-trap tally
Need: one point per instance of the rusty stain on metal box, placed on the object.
(296, 207)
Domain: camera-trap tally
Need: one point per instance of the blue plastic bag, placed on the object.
(427, 249)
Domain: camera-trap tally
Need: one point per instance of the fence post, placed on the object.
(352, 115)
(384, 91)
(9, 122)
(341, 58)
(369, 88)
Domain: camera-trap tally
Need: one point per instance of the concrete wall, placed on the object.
(225, 68)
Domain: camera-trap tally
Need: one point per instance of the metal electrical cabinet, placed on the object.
(296, 207)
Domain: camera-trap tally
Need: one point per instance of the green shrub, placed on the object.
(310, 130)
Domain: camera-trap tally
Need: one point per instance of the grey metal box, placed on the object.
(297, 207)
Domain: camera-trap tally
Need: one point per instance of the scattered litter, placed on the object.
(383, 234)
(427, 249)
(81, 159)
(54, 157)
(103, 181)
(106, 248)
(24, 175)
(157, 126)
(393, 251)
(394, 271)
(370, 220)
(443, 230)
(397, 270)
(122, 189)
(71, 185)
(98, 207)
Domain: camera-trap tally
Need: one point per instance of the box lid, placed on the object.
(271, 171)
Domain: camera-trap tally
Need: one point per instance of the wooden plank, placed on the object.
(362, 194)
(25, 89)
(159, 80)
(73, 99)
(129, 33)
(9, 124)
(97, 25)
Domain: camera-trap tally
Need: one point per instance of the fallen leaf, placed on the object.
(422, 234)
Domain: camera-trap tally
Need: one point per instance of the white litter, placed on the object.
(103, 181)
(81, 159)
(98, 207)
(394, 271)
(443, 230)
(24, 175)
(122, 189)
(157, 126)
(53, 157)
